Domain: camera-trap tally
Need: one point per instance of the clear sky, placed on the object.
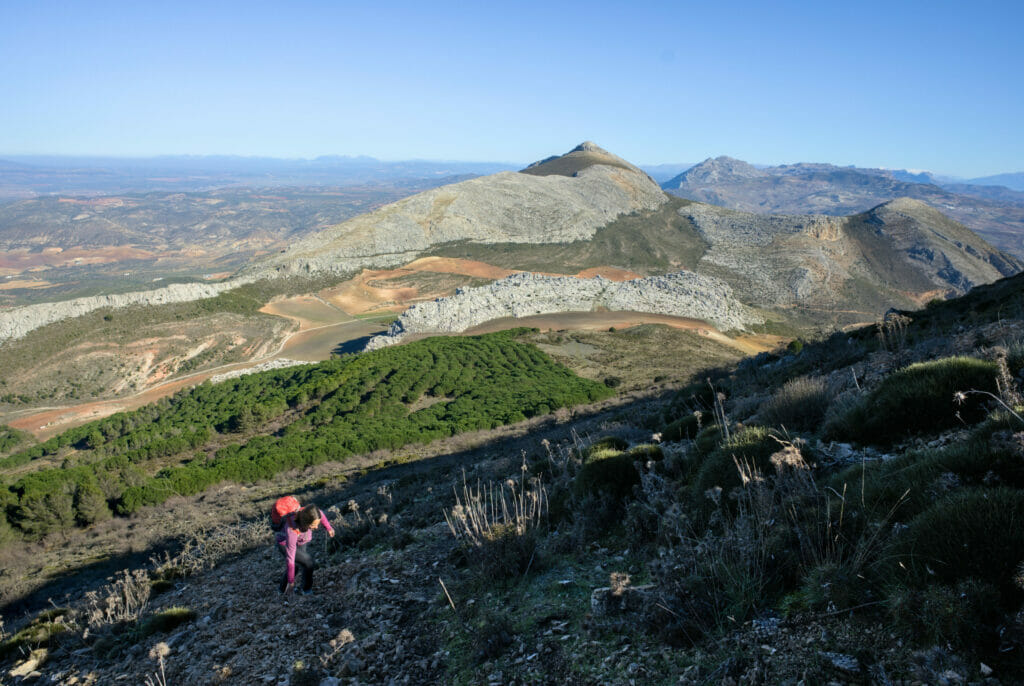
(927, 85)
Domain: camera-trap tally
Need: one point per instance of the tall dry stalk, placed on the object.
(487, 512)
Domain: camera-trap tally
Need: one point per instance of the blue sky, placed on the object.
(927, 85)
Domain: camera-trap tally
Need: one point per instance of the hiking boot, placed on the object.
(303, 591)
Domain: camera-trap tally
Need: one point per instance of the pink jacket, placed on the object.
(291, 538)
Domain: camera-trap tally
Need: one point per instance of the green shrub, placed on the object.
(708, 438)
(832, 586)
(607, 472)
(918, 478)
(964, 615)
(752, 445)
(976, 533)
(919, 399)
(608, 442)
(799, 405)
(684, 428)
(646, 452)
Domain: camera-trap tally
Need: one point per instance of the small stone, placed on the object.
(985, 670)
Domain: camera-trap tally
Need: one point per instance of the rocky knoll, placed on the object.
(559, 201)
(682, 294)
(18, 321)
(898, 254)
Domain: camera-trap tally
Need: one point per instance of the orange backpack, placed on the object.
(282, 508)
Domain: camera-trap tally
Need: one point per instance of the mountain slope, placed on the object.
(827, 189)
(557, 201)
(899, 254)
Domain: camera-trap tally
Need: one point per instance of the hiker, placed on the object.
(296, 531)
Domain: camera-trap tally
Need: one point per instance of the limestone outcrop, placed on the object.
(682, 294)
(18, 321)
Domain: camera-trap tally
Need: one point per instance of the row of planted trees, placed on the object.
(320, 412)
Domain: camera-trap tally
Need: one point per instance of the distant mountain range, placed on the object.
(31, 176)
(589, 208)
(994, 212)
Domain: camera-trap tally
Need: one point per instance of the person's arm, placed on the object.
(326, 524)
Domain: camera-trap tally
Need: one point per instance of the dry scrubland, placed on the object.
(779, 525)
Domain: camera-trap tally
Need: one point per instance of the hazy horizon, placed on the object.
(908, 86)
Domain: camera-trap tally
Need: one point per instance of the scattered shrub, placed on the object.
(964, 615)
(708, 438)
(799, 405)
(684, 428)
(919, 399)
(976, 533)
(750, 446)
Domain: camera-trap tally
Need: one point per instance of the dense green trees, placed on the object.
(321, 412)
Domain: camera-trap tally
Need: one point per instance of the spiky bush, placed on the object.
(752, 446)
(919, 399)
(708, 438)
(165, 620)
(975, 533)
(686, 427)
(607, 472)
(799, 405)
(918, 478)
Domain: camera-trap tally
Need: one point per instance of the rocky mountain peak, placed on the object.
(584, 155)
(715, 170)
(590, 146)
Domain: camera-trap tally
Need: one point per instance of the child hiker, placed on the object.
(296, 531)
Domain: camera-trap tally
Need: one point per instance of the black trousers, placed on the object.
(302, 559)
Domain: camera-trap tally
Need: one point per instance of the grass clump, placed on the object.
(165, 620)
(919, 399)
(499, 524)
(800, 404)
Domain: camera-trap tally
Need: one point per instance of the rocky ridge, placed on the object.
(997, 215)
(508, 207)
(682, 294)
(904, 247)
(17, 322)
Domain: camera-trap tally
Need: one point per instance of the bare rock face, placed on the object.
(18, 321)
(682, 294)
(507, 207)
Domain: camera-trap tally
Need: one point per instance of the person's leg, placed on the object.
(305, 560)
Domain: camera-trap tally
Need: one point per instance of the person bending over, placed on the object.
(291, 541)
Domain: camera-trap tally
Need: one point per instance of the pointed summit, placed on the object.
(576, 160)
